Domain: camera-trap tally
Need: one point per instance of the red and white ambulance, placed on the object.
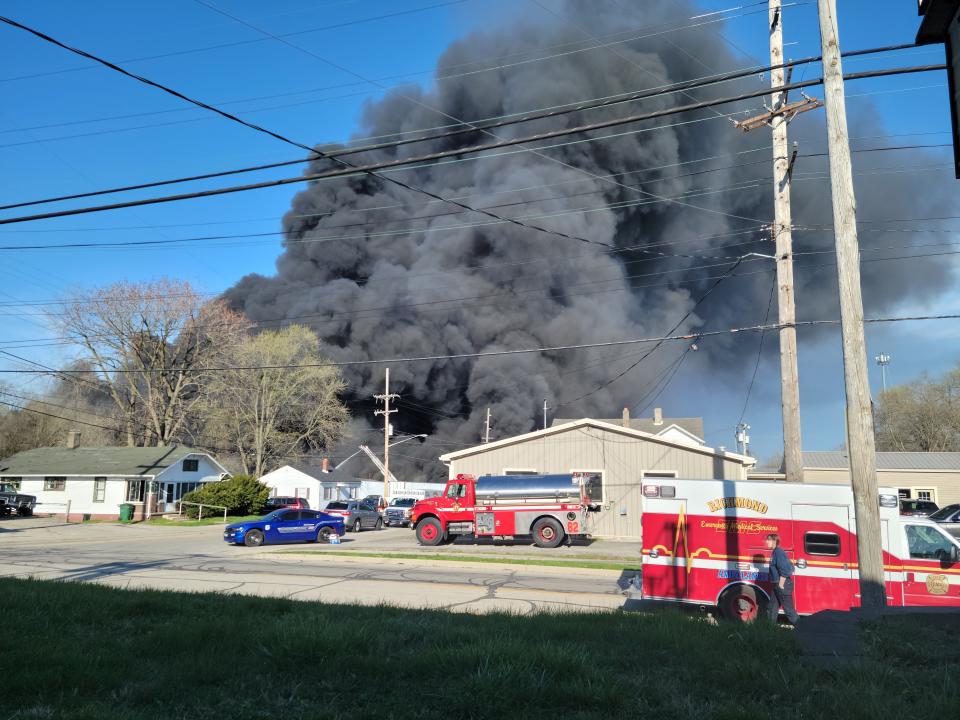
(704, 543)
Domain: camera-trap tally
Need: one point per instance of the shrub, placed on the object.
(241, 495)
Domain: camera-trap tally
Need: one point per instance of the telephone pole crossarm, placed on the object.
(385, 398)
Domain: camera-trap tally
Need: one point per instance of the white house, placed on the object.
(318, 485)
(92, 482)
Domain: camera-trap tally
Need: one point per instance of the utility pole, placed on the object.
(486, 431)
(743, 439)
(777, 117)
(544, 413)
(860, 440)
(883, 360)
(386, 412)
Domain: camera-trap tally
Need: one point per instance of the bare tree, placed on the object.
(275, 412)
(922, 415)
(149, 344)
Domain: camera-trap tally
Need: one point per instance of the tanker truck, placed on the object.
(550, 508)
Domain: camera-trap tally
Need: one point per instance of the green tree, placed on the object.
(922, 415)
(280, 409)
(240, 494)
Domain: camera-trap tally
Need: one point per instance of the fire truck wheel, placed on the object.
(742, 603)
(547, 533)
(429, 532)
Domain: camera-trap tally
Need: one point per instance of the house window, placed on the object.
(135, 490)
(54, 483)
(593, 484)
(329, 493)
(99, 489)
(520, 471)
(925, 494)
(904, 493)
(821, 543)
(15, 481)
(191, 465)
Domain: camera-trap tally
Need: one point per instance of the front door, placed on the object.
(931, 576)
(286, 528)
(823, 551)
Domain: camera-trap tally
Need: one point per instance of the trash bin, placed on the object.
(126, 512)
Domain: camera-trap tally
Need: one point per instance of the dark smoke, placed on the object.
(534, 289)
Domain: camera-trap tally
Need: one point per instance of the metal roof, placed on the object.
(693, 425)
(837, 459)
(110, 461)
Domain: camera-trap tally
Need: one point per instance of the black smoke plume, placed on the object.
(379, 271)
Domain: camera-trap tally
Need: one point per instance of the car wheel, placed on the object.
(25, 512)
(324, 534)
(429, 532)
(547, 533)
(253, 538)
(379, 525)
(357, 525)
(742, 603)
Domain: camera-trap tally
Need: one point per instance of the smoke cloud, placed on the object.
(379, 271)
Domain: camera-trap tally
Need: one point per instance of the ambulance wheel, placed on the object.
(547, 533)
(742, 603)
(429, 532)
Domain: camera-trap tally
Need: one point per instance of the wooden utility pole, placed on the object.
(860, 441)
(386, 412)
(486, 430)
(778, 116)
(783, 236)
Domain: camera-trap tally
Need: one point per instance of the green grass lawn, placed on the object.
(83, 651)
(617, 565)
(213, 520)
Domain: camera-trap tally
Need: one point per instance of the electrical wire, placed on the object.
(756, 366)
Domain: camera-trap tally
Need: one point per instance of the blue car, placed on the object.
(285, 526)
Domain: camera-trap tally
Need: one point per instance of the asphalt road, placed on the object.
(196, 559)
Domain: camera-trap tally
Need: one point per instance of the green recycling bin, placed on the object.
(126, 512)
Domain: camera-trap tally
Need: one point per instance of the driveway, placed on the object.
(197, 559)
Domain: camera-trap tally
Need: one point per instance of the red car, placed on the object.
(275, 503)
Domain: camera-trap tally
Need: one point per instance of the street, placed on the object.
(195, 559)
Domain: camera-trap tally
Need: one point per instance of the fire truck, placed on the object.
(551, 508)
(704, 543)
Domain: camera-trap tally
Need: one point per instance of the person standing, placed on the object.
(781, 575)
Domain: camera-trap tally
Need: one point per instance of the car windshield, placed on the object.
(403, 502)
(337, 506)
(945, 513)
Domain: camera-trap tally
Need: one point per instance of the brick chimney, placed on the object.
(626, 418)
(73, 439)
(658, 416)
(325, 466)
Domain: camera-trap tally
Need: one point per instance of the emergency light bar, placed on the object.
(661, 491)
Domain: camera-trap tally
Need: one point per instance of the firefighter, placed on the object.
(781, 575)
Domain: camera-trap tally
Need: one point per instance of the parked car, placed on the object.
(275, 503)
(398, 512)
(285, 526)
(12, 501)
(357, 514)
(378, 502)
(948, 517)
(918, 508)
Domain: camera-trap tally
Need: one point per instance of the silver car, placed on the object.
(357, 514)
(948, 517)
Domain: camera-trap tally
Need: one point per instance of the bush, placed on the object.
(241, 495)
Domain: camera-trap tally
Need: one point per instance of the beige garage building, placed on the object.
(623, 456)
(920, 475)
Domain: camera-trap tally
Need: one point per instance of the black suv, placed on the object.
(918, 508)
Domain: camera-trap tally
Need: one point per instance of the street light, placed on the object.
(883, 360)
(364, 449)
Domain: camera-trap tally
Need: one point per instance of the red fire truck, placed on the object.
(703, 543)
(548, 507)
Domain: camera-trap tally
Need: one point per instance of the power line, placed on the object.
(510, 119)
(524, 351)
(371, 169)
(756, 366)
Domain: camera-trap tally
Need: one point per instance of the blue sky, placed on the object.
(54, 141)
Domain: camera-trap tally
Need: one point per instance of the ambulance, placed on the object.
(704, 543)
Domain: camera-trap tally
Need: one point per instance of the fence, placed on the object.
(181, 503)
(64, 505)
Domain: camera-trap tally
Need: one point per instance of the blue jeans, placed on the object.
(783, 597)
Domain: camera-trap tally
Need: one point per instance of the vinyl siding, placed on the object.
(623, 460)
(946, 484)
